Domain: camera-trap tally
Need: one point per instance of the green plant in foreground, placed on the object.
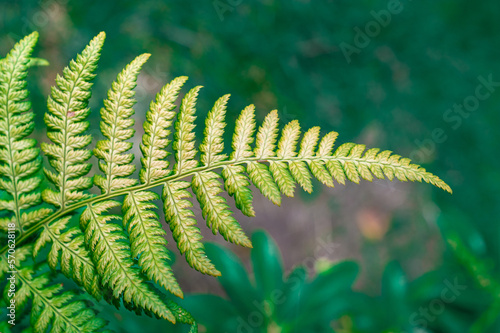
(116, 256)
(272, 302)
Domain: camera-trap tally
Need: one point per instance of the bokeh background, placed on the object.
(389, 74)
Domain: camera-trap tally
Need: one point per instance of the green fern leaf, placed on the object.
(154, 141)
(212, 145)
(235, 181)
(51, 308)
(236, 184)
(286, 151)
(69, 248)
(183, 316)
(116, 127)
(19, 158)
(266, 137)
(215, 209)
(60, 310)
(183, 226)
(299, 169)
(112, 257)
(65, 119)
(318, 167)
(119, 257)
(264, 148)
(147, 239)
(9, 263)
(184, 136)
(262, 179)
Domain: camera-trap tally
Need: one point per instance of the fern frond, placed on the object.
(19, 158)
(120, 252)
(68, 247)
(66, 121)
(187, 235)
(112, 256)
(147, 239)
(116, 126)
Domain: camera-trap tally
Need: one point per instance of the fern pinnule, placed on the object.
(266, 136)
(299, 169)
(19, 158)
(318, 168)
(286, 151)
(183, 316)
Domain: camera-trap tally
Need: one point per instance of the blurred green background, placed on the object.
(389, 74)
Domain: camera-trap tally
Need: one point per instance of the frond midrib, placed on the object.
(190, 172)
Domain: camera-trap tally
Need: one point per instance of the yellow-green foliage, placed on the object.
(114, 256)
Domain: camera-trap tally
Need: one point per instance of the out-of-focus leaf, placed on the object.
(267, 264)
(394, 288)
(213, 311)
(291, 307)
(234, 277)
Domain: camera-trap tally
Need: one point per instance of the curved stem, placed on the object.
(106, 196)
